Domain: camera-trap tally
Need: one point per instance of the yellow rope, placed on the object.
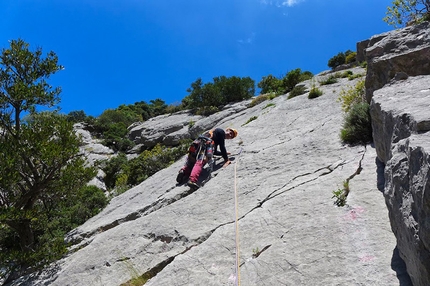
(237, 227)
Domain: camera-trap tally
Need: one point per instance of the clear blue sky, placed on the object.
(124, 51)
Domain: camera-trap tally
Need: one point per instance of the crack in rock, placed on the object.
(158, 204)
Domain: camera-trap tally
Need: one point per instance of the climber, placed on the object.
(201, 152)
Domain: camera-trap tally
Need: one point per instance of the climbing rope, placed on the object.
(236, 207)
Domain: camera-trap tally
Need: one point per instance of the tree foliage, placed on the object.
(340, 59)
(221, 91)
(40, 163)
(405, 12)
(285, 84)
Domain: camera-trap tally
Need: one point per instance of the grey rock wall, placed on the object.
(405, 50)
(290, 231)
(401, 121)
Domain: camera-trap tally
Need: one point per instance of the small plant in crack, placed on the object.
(250, 119)
(255, 252)
(341, 194)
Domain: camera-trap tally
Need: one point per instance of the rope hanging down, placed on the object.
(236, 224)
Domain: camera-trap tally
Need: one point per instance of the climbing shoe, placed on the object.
(193, 185)
(180, 176)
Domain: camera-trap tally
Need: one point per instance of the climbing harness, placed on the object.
(236, 222)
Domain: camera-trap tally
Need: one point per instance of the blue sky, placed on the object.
(124, 51)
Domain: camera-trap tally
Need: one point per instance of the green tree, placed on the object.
(293, 77)
(158, 107)
(404, 12)
(40, 161)
(77, 116)
(269, 84)
(23, 83)
(221, 91)
(339, 59)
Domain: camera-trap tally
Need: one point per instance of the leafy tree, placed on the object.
(404, 12)
(76, 116)
(221, 91)
(23, 84)
(286, 84)
(339, 59)
(40, 162)
(269, 84)
(158, 107)
(294, 77)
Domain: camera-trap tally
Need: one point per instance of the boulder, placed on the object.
(405, 50)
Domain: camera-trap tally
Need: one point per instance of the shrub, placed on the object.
(352, 96)
(151, 161)
(339, 59)
(314, 93)
(259, 99)
(346, 74)
(286, 84)
(350, 58)
(207, 110)
(269, 105)
(330, 80)
(297, 90)
(351, 77)
(250, 119)
(357, 127)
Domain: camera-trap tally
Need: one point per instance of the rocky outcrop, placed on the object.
(286, 164)
(401, 121)
(170, 129)
(93, 151)
(405, 50)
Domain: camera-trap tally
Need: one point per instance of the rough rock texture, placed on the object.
(171, 128)
(93, 151)
(405, 50)
(401, 121)
(290, 231)
(361, 53)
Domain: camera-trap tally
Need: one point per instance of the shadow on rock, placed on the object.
(399, 266)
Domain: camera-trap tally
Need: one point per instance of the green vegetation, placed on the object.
(329, 80)
(285, 84)
(259, 99)
(297, 90)
(250, 119)
(352, 96)
(357, 127)
(315, 92)
(407, 12)
(122, 174)
(269, 105)
(205, 98)
(42, 177)
(341, 194)
(350, 57)
(340, 59)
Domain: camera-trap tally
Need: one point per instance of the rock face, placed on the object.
(171, 128)
(286, 165)
(93, 151)
(405, 50)
(401, 121)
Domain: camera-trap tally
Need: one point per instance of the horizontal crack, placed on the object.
(158, 204)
